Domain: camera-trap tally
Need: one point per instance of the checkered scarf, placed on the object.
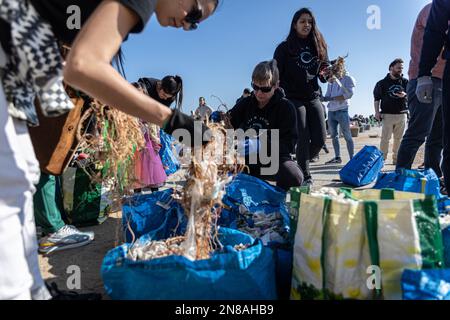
(34, 66)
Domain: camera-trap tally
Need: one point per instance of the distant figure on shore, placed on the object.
(203, 111)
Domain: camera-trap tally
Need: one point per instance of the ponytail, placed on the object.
(179, 102)
(173, 85)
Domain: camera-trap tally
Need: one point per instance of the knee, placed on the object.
(290, 175)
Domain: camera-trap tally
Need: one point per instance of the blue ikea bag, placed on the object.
(169, 160)
(256, 195)
(259, 196)
(227, 275)
(364, 168)
(418, 181)
(157, 215)
(426, 284)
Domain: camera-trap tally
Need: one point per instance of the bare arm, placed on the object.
(89, 69)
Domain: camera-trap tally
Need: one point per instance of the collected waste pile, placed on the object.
(228, 235)
(195, 258)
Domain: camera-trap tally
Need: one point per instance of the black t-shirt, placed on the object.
(56, 13)
(299, 70)
(151, 86)
(385, 91)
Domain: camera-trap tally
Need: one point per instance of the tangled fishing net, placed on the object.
(208, 174)
(110, 142)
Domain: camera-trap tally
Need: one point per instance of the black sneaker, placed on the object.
(334, 161)
(308, 182)
(71, 295)
(325, 148)
(443, 188)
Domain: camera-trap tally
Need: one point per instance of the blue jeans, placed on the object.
(342, 119)
(425, 124)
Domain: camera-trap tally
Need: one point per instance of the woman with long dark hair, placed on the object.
(302, 60)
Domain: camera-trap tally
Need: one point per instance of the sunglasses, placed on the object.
(262, 89)
(194, 16)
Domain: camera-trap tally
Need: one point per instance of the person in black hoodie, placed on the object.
(166, 91)
(268, 109)
(391, 106)
(302, 60)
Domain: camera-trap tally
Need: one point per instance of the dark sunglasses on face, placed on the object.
(262, 89)
(194, 16)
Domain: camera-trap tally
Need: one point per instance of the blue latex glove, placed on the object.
(249, 146)
(424, 89)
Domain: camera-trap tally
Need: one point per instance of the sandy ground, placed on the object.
(54, 268)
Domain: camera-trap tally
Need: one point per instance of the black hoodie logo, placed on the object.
(258, 123)
(306, 59)
(394, 90)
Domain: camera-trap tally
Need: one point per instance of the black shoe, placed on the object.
(71, 295)
(308, 182)
(325, 148)
(443, 188)
(334, 161)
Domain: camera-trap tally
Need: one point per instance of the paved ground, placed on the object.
(109, 234)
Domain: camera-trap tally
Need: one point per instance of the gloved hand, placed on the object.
(326, 99)
(424, 89)
(179, 120)
(248, 146)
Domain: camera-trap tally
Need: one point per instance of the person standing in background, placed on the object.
(425, 121)
(339, 92)
(203, 111)
(391, 107)
(302, 60)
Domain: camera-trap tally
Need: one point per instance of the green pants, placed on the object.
(48, 204)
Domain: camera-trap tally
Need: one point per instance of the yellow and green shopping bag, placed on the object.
(343, 236)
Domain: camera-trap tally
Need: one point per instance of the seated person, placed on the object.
(268, 108)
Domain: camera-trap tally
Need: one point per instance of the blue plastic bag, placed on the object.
(157, 215)
(418, 181)
(168, 157)
(259, 196)
(426, 284)
(228, 275)
(256, 195)
(364, 168)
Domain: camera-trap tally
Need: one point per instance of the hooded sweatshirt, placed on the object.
(279, 114)
(385, 91)
(299, 70)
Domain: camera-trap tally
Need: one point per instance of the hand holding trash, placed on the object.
(424, 89)
(179, 120)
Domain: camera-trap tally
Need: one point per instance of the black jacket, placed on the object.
(279, 113)
(150, 85)
(435, 36)
(299, 71)
(385, 92)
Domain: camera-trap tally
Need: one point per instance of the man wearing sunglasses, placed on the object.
(268, 109)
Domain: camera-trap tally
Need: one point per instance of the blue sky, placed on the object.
(218, 58)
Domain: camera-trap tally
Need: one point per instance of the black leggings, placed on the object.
(289, 174)
(311, 132)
